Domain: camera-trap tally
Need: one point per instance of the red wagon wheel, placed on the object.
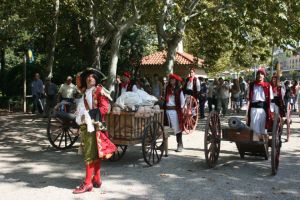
(288, 122)
(276, 143)
(212, 139)
(190, 114)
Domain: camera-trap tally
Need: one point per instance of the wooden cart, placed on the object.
(243, 139)
(124, 129)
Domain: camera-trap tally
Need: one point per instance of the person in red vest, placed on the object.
(259, 112)
(278, 97)
(94, 99)
(174, 102)
(126, 84)
(192, 85)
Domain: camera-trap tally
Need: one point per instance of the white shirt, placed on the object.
(89, 97)
(259, 95)
(189, 85)
(171, 101)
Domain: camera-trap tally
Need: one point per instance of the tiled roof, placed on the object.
(159, 58)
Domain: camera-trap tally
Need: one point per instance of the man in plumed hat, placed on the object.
(259, 110)
(94, 97)
(174, 103)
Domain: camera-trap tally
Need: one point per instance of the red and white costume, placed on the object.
(260, 96)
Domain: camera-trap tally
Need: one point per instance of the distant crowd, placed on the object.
(215, 94)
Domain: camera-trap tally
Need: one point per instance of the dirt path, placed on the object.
(32, 169)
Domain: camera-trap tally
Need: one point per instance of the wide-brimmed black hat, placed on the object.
(99, 76)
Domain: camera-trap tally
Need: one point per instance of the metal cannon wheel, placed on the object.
(153, 143)
(212, 139)
(276, 143)
(62, 134)
(190, 114)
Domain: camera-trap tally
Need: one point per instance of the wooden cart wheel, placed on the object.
(276, 143)
(153, 143)
(121, 149)
(61, 134)
(212, 139)
(190, 114)
(288, 122)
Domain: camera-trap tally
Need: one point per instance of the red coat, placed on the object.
(266, 87)
(100, 101)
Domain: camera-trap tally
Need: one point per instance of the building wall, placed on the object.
(290, 63)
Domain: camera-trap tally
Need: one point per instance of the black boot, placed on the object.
(179, 142)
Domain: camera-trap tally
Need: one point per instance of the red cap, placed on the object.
(176, 77)
(127, 74)
(262, 70)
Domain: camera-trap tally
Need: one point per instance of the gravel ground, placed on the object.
(32, 169)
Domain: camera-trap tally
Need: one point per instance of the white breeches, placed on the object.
(173, 121)
(258, 120)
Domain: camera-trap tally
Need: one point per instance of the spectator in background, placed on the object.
(298, 100)
(50, 92)
(202, 96)
(235, 95)
(223, 96)
(243, 87)
(157, 87)
(67, 92)
(294, 94)
(212, 95)
(287, 95)
(37, 91)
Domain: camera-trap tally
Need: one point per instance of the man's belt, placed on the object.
(275, 100)
(171, 107)
(189, 92)
(259, 104)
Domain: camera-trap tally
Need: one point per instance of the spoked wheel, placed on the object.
(61, 134)
(276, 143)
(121, 149)
(288, 122)
(212, 139)
(153, 143)
(190, 114)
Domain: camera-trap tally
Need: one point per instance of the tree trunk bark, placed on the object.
(2, 68)
(53, 41)
(97, 57)
(171, 55)
(115, 46)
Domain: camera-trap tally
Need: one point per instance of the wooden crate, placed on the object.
(236, 135)
(127, 127)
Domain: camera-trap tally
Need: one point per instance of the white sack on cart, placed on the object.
(129, 99)
(147, 99)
